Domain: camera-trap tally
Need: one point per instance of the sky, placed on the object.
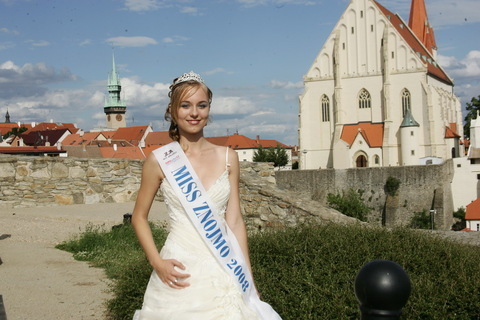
(56, 55)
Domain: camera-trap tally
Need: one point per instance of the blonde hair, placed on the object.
(177, 94)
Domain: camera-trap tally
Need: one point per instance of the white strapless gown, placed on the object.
(212, 294)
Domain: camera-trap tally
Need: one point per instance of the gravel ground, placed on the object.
(38, 281)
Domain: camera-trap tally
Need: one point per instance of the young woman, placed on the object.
(188, 282)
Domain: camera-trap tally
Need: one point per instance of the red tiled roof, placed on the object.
(131, 134)
(41, 137)
(238, 141)
(7, 127)
(30, 150)
(159, 138)
(451, 132)
(76, 139)
(371, 132)
(108, 134)
(473, 210)
(129, 152)
(417, 46)
(44, 126)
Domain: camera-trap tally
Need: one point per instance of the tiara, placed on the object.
(187, 77)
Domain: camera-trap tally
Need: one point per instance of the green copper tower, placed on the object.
(115, 107)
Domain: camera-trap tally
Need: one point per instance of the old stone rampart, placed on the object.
(421, 188)
(44, 181)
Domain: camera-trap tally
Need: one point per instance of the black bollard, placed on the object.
(382, 287)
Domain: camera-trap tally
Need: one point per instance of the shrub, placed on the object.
(391, 186)
(421, 220)
(349, 203)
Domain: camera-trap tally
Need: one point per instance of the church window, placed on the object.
(377, 159)
(343, 45)
(412, 152)
(406, 101)
(325, 109)
(361, 14)
(364, 100)
(353, 30)
(393, 54)
(371, 28)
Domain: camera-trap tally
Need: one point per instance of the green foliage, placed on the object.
(472, 111)
(421, 220)
(461, 223)
(260, 155)
(391, 186)
(308, 272)
(349, 203)
(15, 131)
(277, 155)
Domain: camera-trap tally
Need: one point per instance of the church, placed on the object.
(376, 96)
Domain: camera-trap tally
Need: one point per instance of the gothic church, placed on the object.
(376, 95)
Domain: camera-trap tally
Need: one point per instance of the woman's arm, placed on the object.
(152, 176)
(233, 215)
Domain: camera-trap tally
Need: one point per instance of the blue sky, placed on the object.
(55, 56)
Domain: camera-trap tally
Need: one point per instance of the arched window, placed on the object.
(406, 101)
(364, 100)
(361, 161)
(376, 159)
(325, 109)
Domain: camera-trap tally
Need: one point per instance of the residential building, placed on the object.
(376, 96)
(472, 215)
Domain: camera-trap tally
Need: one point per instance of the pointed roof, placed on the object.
(238, 141)
(433, 68)
(158, 138)
(371, 132)
(420, 25)
(113, 78)
(473, 210)
(451, 131)
(408, 120)
(131, 134)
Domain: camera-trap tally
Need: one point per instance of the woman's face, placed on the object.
(193, 111)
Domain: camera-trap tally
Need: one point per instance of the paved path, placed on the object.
(40, 282)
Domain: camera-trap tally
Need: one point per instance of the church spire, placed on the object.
(115, 107)
(420, 25)
(7, 117)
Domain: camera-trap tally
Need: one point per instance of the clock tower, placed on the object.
(115, 107)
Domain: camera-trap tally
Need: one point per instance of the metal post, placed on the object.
(382, 288)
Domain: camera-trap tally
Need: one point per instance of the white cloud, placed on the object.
(467, 67)
(38, 43)
(214, 71)
(85, 42)
(6, 45)
(286, 84)
(278, 3)
(142, 5)
(8, 31)
(131, 41)
(193, 11)
(232, 106)
(177, 40)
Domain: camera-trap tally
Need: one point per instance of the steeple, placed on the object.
(420, 25)
(115, 107)
(7, 117)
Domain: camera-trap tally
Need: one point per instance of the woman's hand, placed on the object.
(167, 272)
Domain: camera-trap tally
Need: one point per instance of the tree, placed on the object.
(260, 155)
(15, 132)
(277, 155)
(472, 107)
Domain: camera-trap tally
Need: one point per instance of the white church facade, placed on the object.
(376, 96)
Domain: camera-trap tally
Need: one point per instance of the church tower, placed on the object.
(115, 107)
(420, 26)
(7, 117)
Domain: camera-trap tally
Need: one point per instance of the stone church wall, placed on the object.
(421, 188)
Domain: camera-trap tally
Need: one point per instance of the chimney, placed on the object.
(115, 147)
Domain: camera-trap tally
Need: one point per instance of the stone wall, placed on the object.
(421, 188)
(44, 181)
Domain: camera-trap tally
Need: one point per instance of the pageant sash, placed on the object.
(202, 213)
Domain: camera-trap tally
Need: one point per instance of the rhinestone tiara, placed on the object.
(187, 77)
